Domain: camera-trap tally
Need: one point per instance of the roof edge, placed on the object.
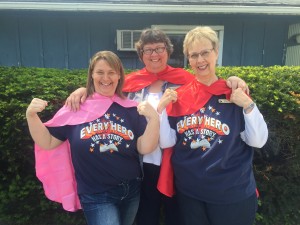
(150, 8)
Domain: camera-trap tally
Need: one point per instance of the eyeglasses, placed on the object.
(204, 54)
(149, 51)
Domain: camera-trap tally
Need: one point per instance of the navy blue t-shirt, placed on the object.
(104, 151)
(211, 162)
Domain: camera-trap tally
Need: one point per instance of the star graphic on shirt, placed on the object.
(127, 145)
(218, 113)
(107, 115)
(122, 120)
(92, 147)
(220, 141)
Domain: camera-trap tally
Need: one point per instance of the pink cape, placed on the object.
(54, 167)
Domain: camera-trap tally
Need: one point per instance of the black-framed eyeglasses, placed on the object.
(149, 51)
(204, 54)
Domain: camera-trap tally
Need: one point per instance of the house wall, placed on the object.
(69, 39)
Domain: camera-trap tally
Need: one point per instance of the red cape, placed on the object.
(191, 97)
(195, 95)
(140, 79)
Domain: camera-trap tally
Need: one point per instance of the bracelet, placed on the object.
(251, 106)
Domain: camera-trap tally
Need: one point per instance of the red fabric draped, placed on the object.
(191, 97)
(165, 182)
(195, 95)
(138, 80)
(54, 168)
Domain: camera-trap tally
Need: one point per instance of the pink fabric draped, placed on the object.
(54, 168)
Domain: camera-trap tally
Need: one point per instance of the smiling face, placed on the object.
(153, 38)
(105, 78)
(202, 58)
(155, 62)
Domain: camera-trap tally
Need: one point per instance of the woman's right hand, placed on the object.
(169, 96)
(37, 105)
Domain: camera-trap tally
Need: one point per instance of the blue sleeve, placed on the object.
(142, 123)
(59, 132)
(172, 121)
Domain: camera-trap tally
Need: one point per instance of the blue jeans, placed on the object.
(117, 206)
(196, 212)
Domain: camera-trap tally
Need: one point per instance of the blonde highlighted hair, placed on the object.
(198, 33)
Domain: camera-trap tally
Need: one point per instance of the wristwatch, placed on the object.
(250, 107)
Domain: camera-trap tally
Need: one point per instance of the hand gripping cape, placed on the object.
(54, 167)
(191, 97)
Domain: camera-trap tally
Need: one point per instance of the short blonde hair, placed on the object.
(196, 34)
(114, 62)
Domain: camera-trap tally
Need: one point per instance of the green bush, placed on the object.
(275, 90)
(22, 200)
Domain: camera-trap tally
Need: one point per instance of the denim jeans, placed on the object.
(117, 206)
(196, 212)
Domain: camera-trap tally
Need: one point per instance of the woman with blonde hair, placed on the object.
(213, 130)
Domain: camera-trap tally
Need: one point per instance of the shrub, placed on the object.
(275, 90)
(22, 200)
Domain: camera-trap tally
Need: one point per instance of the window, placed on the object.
(126, 39)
